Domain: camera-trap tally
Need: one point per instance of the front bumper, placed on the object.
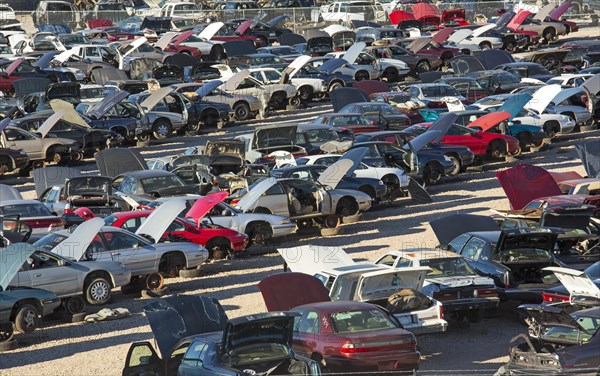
(238, 244)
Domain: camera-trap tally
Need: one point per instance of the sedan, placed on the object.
(148, 185)
(374, 111)
(33, 213)
(433, 94)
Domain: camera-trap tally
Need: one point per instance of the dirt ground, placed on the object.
(100, 349)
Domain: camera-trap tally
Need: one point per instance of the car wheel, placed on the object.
(497, 149)
(154, 281)
(305, 95)
(27, 318)
(6, 332)
(53, 156)
(193, 129)
(98, 291)
(295, 101)
(551, 128)
(144, 137)
(485, 46)
(361, 76)
(74, 305)
(432, 174)
(391, 75)
(161, 129)
(346, 207)
(423, 66)
(261, 234)
(457, 165)
(241, 111)
(331, 221)
(304, 224)
(549, 35)
(335, 85)
(263, 40)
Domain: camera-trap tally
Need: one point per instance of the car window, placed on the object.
(457, 244)
(92, 52)
(120, 240)
(131, 224)
(175, 226)
(309, 323)
(457, 131)
(40, 260)
(96, 246)
(387, 260)
(195, 354)
(473, 248)
(16, 135)
(129, 185)
(413, 91)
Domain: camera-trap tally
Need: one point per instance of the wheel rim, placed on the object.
(241, 112)
(75, 305)
(29, 318)
(295, 101)
(335, 85)
(423, 68)
(456, 163)
(154, 281)
(331, 222)
(56, 158)
(162, 130)
(99, 291)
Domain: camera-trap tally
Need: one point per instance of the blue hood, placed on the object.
(514, 104)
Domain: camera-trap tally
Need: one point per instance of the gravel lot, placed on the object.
(100, 349)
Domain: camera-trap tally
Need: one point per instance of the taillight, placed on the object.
(485, 293)
(441, 312)
(234, 202)
(506, 280)
(549, 297)
(69, 211)
(392, 344)
(348, 348)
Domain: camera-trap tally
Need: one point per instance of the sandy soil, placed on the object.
(100, 349)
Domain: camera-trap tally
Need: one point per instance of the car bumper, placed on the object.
(283, 230)
(567, 126)
(425, 326)
(470, 304)
(239, 244)
(374, 362)
(197, 258)
(467, 159)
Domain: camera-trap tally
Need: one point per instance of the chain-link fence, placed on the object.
(299, 19)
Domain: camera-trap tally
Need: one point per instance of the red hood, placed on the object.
(453, 14)
(441, 36)
(562, 176)
(425, 10)
(518, 19)
(204, 204)
(557, 12)
(284, 291)
(490, 120)
(244, 27)
(398, 16)
(13, 66)
(98, 23)
(181, 37)
(524, 183)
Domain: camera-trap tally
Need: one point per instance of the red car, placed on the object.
(480, 143)
(229, 33)
(188, 50)
(218, 240)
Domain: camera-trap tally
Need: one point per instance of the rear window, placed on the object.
(360, 321)
(48, 242)
(439, 91)
(25, 210)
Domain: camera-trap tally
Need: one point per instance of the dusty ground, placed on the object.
(100, 349)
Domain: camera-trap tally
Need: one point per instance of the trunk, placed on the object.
(277, 367)
(406, 300)
(529, 274)
(99, 205)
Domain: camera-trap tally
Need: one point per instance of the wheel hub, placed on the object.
(99, 291)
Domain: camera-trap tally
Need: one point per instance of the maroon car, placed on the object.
(430, 46)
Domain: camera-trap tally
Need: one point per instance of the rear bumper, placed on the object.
(533, 295)
(426, 326)
(374, 363)
(470, 304)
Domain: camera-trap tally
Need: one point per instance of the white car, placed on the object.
(203, 42)
(348, 280)
(307, 88)
(573, 80)
(475, 40)
(341, 12)
(182, 9)
(463, 292)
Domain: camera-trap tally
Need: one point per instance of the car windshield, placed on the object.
(262, 60)
(74, 39)
(161, 182)
(110, 220)
(48, 242)
(360, 321)
(383, 108)
(321, 135)
(26, 210)
(92, 92)
(538, 69)
(439, 91)
(183, 23)
(564, 334)
(507, 78)
(447, 267)
(351, 120)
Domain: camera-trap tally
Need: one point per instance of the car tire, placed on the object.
(190, 273)
(261, 234)
(8, 345)
(335, 85)
(74, 305)
(352, 219)
(6, 333)
(330, 231)
(161, 129)
(346, 208)
(457, 165)
(98, 291)
(362, 76)
(432, 174)
(497, 149)
(27, 318)
(241, 111)
(154, 281)
(423, 66)
(331, 221)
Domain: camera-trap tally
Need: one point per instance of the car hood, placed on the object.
(291, 39)
(88, 185)
(108, 102)
(274, 136)
(422, 140)
(55, 29)
(284, 291)
(356, 156)
(204, 204)
(76, 244)
(113, 162)
(565, 94)
(589, 153)
(452, 14)
(208, 87)
(161, 218)
(592, 84)
(345, 96)
(103, 75)
(180, 38)
(557, 12)
(311, 259)
(70, 115)
(449, 227)
(371, 86)
(333, 174)
(524, 183)
(12, 259)
(153, 99)
(418, 44)
(425, 10)
(13, 66)
(44, 178)
(270, 327)
(44, 61)
(353, 52)
(544, 11)
(480, 30)
(331, 65)
(8, 192)
(230, 148)
(489, 121)
(490, 59)
(518, 19)
(576, 282)
(515, 103)
(276, 21)
(459, 35)
(49, 123)
(176, 317)
(294, 67)
(99, 22)
(531, 237)
(548, 316)
(372, 285)
(165, 39)
(239, 48)
(465, 64)
(505, 19)
(62, 90)
(24, 87)
(442, 124)
(543, 97)
(398, 16)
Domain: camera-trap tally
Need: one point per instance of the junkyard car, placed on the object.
(33, 213)
(147, 185)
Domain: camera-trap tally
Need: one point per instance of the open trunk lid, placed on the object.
(576, 282)
(383, 283)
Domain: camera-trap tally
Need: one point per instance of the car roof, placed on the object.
(337, 306)
(425, 254)
(17, 202)
(307, 127)
(141, 174)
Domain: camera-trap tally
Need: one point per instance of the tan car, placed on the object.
(549, 30)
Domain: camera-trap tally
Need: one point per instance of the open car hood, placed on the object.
(331, 65)
(12, 259)
(356, 156)
(208, 87)
(459, 36)
(442, 124)
(592, 84)
(103, 75)
(49, 123)
(453, 14)
(425, 10)
(523, 183)
(449, 227)
(418, 44)
(566, 94)
(515, 103)
(204, 204)
(13, 66)
(160, 219)
(210, 30)
(530, 237)
(489, 121)
(274, 136)
(312, 259)
(518, 19)
(113, 162)
(250, 198)
(548, 316)
(422, 140)
(399, 16)
(576, 282)
(589, 153)
(269, 328)
(284, 291)
(557, 12)
(505, 19)
(220, 148)
(465, 64)
(70, 115)
(176, 317)
(544, 11)
(543, 97)
(441, 36)
(8, 192)
(482, 29)
(335, 29)
(44, 178)
(490, 59)
(55, 29)
(239, 48)
(371, 285)
(44, 61)
(153, 99)
(273, 22)
(88, 185)
(244, 27)
(291, 39)
(353, 52)
(235, 80)
(99, 22)
(332, 175)
(165, 40)
(347, 95)
(75, 246)
(181, 37)
(294, 67)
(30, 85)
(108, 102)
(371, 86)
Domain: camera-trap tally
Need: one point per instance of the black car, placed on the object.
(497, 81)
(195, 337)
(267, 32)
(11, 160)
(468, 87)
(147, 185)
(375, 110)
(461, 156)
(373, 187)
(383, 153)
(89, 138)
(527, 70)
